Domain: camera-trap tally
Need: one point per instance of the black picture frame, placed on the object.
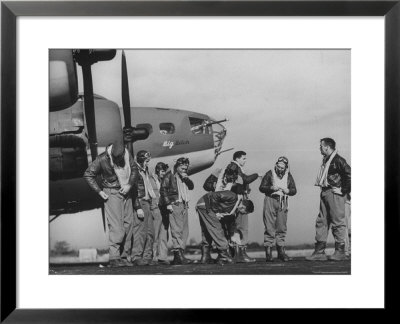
(11, 10)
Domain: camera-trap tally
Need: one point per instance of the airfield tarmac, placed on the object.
(298, 266)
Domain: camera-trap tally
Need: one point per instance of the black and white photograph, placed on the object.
(161, 159)
(200, 161)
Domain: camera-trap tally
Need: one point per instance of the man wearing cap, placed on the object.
(334, 178)
(160, 220)
(213, 208)
(277, 185)
(143, 229)
(242, 220)
(174, 197)
(118, 175)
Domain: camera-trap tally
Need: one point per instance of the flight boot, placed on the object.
(242, 256)
(155, 254)
(126, 262)
(339, 254)
(232, 250)
(235, 254)
(206, 255)
(140, 262)
(268, 254)
(282, 254)
(151, 262)
(183, 258)
(179, 258)
(163, 262)
(319, 253)
(116, 263)
(224, 257)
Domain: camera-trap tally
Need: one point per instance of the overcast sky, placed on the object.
(278, 102)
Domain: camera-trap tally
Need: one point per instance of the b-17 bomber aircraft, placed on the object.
(81, 127)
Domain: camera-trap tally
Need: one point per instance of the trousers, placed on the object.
(242, 226)
(331, 215)
(119, 213)
(275, 222)
(163, 235)
(211, 229)
(150, 236)
(178, 220)
(140, 231)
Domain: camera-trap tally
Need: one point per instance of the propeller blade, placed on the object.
(103, 218)
(89, 108)
(86, 58)
(126, 103)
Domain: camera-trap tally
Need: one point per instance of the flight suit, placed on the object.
(118, 208)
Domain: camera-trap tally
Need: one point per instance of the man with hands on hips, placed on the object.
(334, 179)
(118, 176)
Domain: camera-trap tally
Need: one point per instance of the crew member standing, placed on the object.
(160, 219)
(277, 185)
(118, 176)
(174, 196)
(143, 233)
(334, 178)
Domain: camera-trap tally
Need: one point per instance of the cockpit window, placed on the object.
(199, 126)
(147, 126)
(167, 128)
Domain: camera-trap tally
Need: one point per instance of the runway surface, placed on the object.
(298, 266)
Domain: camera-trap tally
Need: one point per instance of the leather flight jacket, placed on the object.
(219, 201)
(339, 174)
(169, 189)
(267, 184)
(247, 179)
(140, 184)
(101, 166)
(211, 181)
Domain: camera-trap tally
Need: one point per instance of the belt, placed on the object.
(325, 188)
(274, 197)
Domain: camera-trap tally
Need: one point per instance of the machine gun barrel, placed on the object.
(207, 123)
(216, 122)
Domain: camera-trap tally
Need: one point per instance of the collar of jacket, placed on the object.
(326, 158)
(284, 173)
(238, 165)
(175, 173)
(106, 152)
(145, 170)
(155, 177)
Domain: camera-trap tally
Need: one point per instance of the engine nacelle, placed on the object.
(63, 85)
